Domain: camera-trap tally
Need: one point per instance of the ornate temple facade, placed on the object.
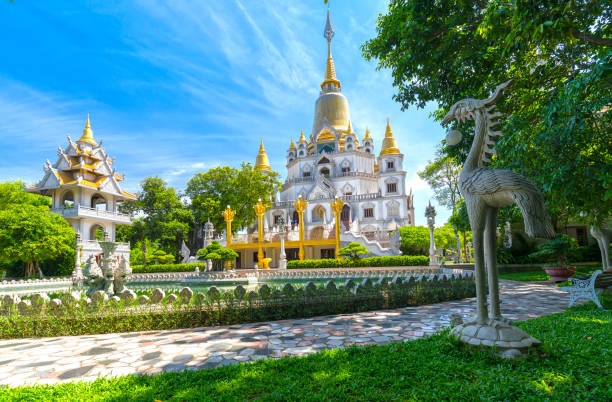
(335, 161)
(84, 188)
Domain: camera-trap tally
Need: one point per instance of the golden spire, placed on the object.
(261, 161)
(292, 146)
(389, 146)
(367, 136)
(349, 129)
(330, 70)
(302, 139)
(88, 134)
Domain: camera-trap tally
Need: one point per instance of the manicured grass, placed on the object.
(574, 364)
(540, 274)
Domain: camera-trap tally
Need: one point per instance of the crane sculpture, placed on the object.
(485, 191)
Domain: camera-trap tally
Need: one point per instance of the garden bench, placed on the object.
(589, 287)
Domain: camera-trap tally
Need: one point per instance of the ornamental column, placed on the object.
(430, 214)
(260, 209)
(336, 206)
(300, 207)
(228, 214)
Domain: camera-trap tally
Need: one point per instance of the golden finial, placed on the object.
(292, 146)
(330, 70)
(88, 134)
(389, 146)
(302, 139)
(367, 135)
(261, 161)
(349, 129)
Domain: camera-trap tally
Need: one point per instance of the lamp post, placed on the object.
(300, 207)
(430, 214)
(336, 206)
(228, 214)
(260, 209)
(282, 261)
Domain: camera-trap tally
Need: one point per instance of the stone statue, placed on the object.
(430, 214)
(507, 235)
(94, 278)
(603, 240)
(111, 276)
(396, 242)
(484, 191)
(185, 253)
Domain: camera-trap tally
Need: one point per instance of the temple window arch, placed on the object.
(324, 172)
(301, 153)
(68, 199)
(291, 153)
(98, 202)
(97, 232)
(368, 150)
(318, 214)
(323, 160)
(290, 160)
(393, 209)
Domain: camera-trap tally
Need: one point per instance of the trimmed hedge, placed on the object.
(390, 261)
(154, 268)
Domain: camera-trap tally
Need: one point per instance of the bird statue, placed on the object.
(485, 191)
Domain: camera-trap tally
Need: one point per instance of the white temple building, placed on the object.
(335, 161)
(84, 188)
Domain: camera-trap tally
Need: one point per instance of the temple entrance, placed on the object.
(345, 216)
(328, 253)
(292, 254)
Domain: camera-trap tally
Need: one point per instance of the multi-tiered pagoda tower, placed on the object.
(84, 188)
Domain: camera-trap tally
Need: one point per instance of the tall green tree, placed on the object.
(29, 232)
(558, 54)
(161, 216)
(213, 191)
(442, 175)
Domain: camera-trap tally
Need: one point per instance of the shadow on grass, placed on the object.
(575, 366)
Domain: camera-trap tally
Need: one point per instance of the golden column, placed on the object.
(228, 214)
(336, 206)
(300, 207)
(260, 209)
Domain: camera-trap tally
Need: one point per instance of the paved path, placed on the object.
(53, 360)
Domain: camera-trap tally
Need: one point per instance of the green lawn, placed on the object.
(575, 364)
(540, 275)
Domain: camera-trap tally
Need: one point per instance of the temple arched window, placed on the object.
(98, 202)
(324, 172)
(68, 199)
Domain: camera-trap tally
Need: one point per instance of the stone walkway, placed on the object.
(54, 360)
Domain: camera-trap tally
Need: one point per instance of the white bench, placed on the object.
(589, 288)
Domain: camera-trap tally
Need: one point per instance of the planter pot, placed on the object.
(559, 274)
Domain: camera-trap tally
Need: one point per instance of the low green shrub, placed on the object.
(391, 261)
(229, 308)
(153, 268)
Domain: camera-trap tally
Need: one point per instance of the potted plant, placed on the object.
(556, 250)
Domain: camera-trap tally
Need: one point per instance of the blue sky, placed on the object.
(178, 87)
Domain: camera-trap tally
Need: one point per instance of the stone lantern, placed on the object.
(430, 214)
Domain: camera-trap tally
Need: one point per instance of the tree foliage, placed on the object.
(29, 232)
(558, 54)
(213, 191)
(442, 175)
(161, 216)
(353, 251)
(218, 254)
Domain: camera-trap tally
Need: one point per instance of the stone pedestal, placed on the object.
(508, 341)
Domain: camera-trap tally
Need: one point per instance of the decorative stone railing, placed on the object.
(39, 303)
(81, 211)
(32, 286)
(315, 273)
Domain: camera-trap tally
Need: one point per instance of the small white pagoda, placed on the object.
(84, 189)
